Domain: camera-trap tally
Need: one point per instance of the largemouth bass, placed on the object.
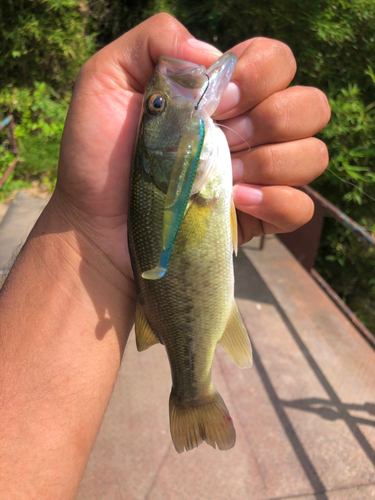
(182, 232)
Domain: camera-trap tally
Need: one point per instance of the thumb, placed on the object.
(137, 51)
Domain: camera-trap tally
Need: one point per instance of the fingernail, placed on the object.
(237, 169)
(246, 195)
(238, 130)
(206, 47)
(230, 99)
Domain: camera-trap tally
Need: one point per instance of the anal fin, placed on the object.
(144, 336)
(235, 340)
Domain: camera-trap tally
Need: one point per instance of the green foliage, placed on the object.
(350, 137)
(113, 18)
(43, 40)
(6, 158)
(343, 40)
(348, 264)
(333, 42)
(40, 115)
(345, 262)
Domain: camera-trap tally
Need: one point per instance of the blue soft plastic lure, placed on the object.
(182, 178)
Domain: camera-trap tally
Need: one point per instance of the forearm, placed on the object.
(66, 312)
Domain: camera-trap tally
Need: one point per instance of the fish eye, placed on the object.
(155, 104)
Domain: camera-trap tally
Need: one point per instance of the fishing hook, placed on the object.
(205, 90)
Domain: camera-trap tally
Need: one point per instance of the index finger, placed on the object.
(264, 67)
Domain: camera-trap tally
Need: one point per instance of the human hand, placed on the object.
(101, 129)
(269, 129)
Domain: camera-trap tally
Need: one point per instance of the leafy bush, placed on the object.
(344, 261)
(43, 45)
(40, 115)
(43, 40)
(350, 137)
(348, 264)
(113, 18)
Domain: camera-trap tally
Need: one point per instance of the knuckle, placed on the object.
(304, 210)
(282, 53)
(280, 116)
(163, 18)
(324, 104)
(86, 69)
(298, 210)
(285, 52)
(266, 52)
(323, 155)
(170, 27)
(309, 209)
(168, 23)
(271, 163)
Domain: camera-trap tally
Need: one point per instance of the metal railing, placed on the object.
(9, 121)
(341, 217)
(304, 244)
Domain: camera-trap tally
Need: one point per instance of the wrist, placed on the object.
(63, 245)
(87, 241)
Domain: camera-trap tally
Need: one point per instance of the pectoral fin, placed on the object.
(235, 340)
(179, 189)
(144, 336)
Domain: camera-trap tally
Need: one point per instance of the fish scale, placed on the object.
(191, 308)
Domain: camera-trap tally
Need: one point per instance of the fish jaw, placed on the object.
(219, 75)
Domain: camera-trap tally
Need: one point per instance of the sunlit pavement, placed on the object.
(16, 225)
(304, 414)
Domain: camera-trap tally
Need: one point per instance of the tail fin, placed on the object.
(208, 422)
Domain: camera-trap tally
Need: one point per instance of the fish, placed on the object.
(182, 233)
